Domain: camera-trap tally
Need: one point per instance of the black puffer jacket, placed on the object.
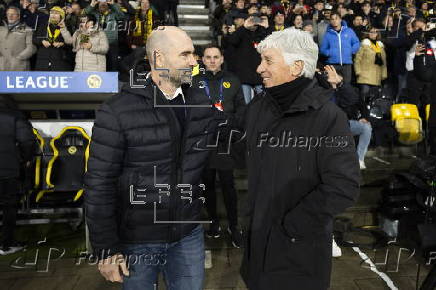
(17, 143)
(137, 145)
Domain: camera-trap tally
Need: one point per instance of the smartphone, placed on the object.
(256, 19)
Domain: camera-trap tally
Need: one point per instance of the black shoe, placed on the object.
(214, 231)
(236, 236)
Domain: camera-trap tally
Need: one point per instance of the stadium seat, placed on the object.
(67, 166)
(408, 123)
(38, 160)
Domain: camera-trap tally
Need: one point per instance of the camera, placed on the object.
(256, 18)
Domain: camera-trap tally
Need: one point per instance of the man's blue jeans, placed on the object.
(182, 263)
(364, 131)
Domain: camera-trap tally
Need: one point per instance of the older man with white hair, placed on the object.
(302, 169)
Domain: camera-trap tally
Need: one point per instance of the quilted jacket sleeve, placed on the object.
(104, 168)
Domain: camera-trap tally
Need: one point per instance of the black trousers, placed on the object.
(112, 57)
(8, 199)
(229, 194)
(418, 92)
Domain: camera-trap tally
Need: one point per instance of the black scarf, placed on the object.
(285, 94)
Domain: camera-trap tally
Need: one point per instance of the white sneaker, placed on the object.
(362, 164)
(208, 259)
(10, 250)
(336, 251)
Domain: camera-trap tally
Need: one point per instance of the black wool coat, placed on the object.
(244, 43)
(302, 171)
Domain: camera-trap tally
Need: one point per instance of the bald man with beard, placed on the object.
(143, 194)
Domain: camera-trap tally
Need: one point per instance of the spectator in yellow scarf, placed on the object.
(370, 62)
(140, 28)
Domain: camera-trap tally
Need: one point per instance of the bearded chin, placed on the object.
(186, 78)
(182, 77)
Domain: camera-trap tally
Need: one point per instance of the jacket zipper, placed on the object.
(174, 170)
(340, 45)
(179, 148)
(181, 152)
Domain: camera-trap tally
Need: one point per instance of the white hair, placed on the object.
(295, 45)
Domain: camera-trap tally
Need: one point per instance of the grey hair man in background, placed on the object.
(302, 169)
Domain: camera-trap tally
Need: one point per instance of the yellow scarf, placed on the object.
(148, 25)
(102, 19)
(52, 36)
(376, 47)
(279, 28)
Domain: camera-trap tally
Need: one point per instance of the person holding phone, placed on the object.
(244, 41)
(108, 14)
(53, 53)
(90, 45)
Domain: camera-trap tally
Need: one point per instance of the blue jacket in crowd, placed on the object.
(340, 46)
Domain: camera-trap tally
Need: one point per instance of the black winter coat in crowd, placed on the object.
(350, 101)
(228, 154)
(302, 171)
(138, 144)
(18, 143)
(244, 42)
(51, 58)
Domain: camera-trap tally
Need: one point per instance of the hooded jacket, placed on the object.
(339, 47)
(302, 171)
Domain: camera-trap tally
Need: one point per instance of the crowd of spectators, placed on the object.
(363, 40)
(380, 48)
(79, 35)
